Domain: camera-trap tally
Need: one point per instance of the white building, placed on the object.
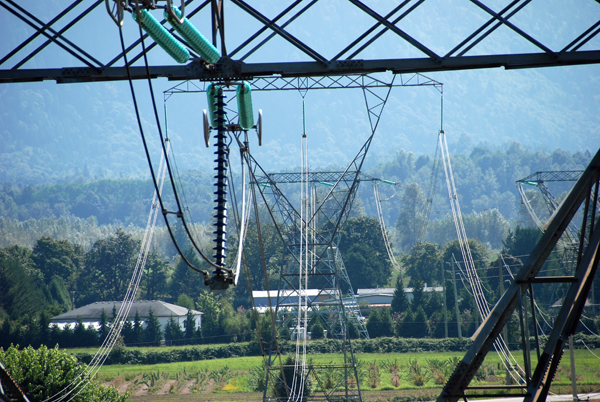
(90, 314)
(382, 297)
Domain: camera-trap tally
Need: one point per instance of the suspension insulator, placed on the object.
(244, 102)
(211, 94)
(221, 178)
(193, 37)
(163, 37)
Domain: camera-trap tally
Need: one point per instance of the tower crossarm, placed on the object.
(555, 175)
(314, 177)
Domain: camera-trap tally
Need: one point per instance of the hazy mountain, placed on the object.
(53, 131)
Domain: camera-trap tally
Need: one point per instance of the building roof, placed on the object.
(92, 312)
(375, 291)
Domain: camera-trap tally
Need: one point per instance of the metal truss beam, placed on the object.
(362, 81)
(9, 389)
(233, 65)
(229, 69)
(585, 189)
(556, 175)
(315, 177)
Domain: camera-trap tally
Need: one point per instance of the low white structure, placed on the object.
(288, 298)
(382, 297)
(90, 314)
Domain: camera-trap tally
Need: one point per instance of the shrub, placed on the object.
(44, 373)
(256, 380)
(417, 374)
(374, 378)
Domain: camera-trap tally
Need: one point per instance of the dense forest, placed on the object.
(66, 244)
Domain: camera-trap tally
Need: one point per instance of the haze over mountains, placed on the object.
(51, 131)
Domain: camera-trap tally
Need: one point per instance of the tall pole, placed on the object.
(456, 303)
(505, 329)
(573, 379)
(445, 302)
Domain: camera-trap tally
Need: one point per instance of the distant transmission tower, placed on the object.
(313, 282)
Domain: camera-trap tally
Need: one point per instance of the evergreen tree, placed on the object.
(67, 336)
(418, 298)
(44, 335)
(374, 324)
(399, 301)
(404, 326)
(128, 333)
(173, 331)
(189, 327)
(55, 336)
(136, 335)
(103, 329)
(152, 333)
(433, 304)
(90, 336)
(420, 324)
(79, 334)
(387, 327)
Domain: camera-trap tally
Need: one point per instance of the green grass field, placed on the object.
(587, 368)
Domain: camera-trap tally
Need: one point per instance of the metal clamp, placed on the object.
(119, 17)
(172, 13)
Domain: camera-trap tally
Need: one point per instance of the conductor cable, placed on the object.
(176, 196)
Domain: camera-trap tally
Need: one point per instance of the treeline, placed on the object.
(485, 180)
(57, 275)
(120, 201)
(38, 330)
(432, 313)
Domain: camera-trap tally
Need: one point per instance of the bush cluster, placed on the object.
(207, 352)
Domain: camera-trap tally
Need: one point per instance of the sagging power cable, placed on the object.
(165, 212)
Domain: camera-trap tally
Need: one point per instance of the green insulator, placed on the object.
(326, 183)
(194, 38)
(388, 182)
(211, 93)
(163, 37)
(244, 102)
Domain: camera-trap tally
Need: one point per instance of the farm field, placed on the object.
(382, 376)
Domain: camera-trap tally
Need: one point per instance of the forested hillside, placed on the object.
(485, 180)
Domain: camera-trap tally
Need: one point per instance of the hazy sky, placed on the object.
(541, 108)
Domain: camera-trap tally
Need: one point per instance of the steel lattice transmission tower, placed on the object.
(334, 302)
